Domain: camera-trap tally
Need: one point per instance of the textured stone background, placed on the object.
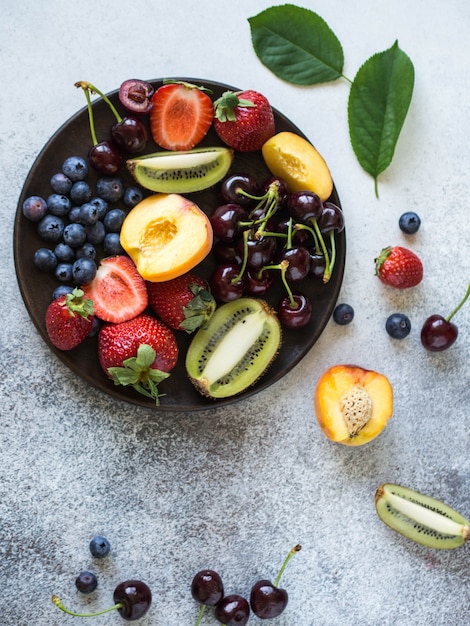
(235, 488)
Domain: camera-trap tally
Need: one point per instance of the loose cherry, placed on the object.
(439, 333)
(136, 95)
(232, 610)
(132, 600)
(207, 589)
(267, 600)
(295, 310)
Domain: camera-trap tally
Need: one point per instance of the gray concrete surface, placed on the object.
(235, 488)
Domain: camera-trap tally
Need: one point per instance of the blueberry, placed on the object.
(86, 582)
(110, 188)
(101, 205)
(112, 244)
(398, 326)
(95, 234)
(99, 547)
(343, 314)
(95, 326)
(63, 272)
(61, 290)
(51, 228)
(74, 215)
(113, 220)
(64, 252)
(409, 222)
(61, 183)
(132, 196)
(88, 214)
(75, 168)
(88, 249)
(34, 208)
(58, 204)
(45, 260)
(83, 270)
(74, 235)
(80, 192)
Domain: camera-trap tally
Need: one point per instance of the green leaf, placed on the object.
(297, 45)
(378, 103)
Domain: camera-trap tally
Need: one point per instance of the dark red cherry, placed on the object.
(438, 334)
(260, 251)
(294, 313)
(225, 221)
(207, 587)
(135, 597)
(105, 158)
(136, 95)
(237, 188)
(300, 236)
(226, 253)
(304, 206)
(225, 283)
(317, 265)
(266, 600)
(233, 610)
(331, 218)
(299, 263)
(258, 285)
(130, 135)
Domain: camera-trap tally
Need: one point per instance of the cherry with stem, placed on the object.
(438, 332)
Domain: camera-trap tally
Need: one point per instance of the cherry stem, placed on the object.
(327, 272)
(294, 550)
(90, 114)
(88, 87)
(201, 613)
(245, 257)
(58, 602)
(282, 266)
(333, 253)
(460, 305)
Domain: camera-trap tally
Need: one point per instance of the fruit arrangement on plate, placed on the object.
(244, 210)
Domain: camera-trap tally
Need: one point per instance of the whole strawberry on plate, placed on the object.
(139, 353)
(69, 319)
(399, 267)
(183, 303)
(244, 120)
(181, 115)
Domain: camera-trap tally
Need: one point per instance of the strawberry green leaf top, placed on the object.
(297, 45)
(378, 103)
(69, 319)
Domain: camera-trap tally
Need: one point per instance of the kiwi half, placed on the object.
(422, 519)
(235, 348)
(181, 172)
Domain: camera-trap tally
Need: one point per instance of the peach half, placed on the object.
(352, 404)
(166, 235)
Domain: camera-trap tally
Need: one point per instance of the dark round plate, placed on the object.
(73, 138)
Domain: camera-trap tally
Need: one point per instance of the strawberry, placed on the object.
(118, 290)
(181, 115)
(69, 319)
(399, 267)
(140, 352)
(183, 303)
(244, 120)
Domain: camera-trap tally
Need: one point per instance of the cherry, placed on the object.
(299, 263)
(258, 283)
(240, 189)
(294, 311)
(132, 600)
(439, 333)
(267, 600)
(232, 610)
(317, 265)
(207, 587)
(225, 253)
(256, 250)
(226, 283)
(304, 206)
(136, 95)
(129, 134)
(225, 221)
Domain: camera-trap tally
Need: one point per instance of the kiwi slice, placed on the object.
(181, 172)
(423, 519)
(236, 346)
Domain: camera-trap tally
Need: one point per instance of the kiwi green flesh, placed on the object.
(421, 518)
(181, 172)
(234, 349)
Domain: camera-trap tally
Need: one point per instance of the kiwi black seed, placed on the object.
(421, 518)
(181, 172)
(234, 349)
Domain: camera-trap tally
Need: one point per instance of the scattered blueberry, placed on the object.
(86, 582)
(64, 252)
(51, 228)
(61, 183)
(95, 233)
(63, 272)
(132, 196)
(99, 547)
(110, 188)
(45, 260)
(74, 215)
(101, 205)
(88, 249)
(113, 220)
(75, 168)
(74, 235)
(398, 326)
(343, 314)
(81, 192)
(34, 208)
(61, 290)
(409, 222)
(89, 214)
(83, 270)
(58, 204)
(112, 244)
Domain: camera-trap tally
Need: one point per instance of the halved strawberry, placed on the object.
(181, 115)
(118, 290)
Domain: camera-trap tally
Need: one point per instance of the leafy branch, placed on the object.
(298, 46)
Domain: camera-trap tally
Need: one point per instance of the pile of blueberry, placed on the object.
(76, 218)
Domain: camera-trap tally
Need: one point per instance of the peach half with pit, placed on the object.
(353, 404)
